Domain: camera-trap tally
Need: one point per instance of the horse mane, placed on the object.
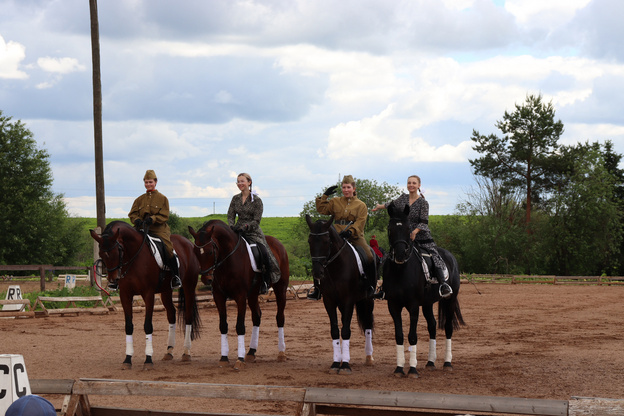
(115, 224)
(215, 223)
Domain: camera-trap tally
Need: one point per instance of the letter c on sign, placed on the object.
(19, 366)
(4, 369)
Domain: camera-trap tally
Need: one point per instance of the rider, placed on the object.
(349, 220)
(420, 233)
(248, 206)
(152, 209)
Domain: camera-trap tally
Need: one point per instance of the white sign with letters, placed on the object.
(13, 293)
(13, 380)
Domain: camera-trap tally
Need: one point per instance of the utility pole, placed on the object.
(100, 203)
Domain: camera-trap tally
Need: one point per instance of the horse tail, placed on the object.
(195, 320)
(449, 309)
(364, 312)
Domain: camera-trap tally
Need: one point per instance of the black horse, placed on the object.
(335, 266)
(406, 286)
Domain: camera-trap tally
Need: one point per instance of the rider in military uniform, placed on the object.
(152, 209)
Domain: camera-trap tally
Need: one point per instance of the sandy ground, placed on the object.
(535, 341)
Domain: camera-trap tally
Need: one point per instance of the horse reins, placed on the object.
(327, 261)
(409, 245)
(216, 254)
(121, 251)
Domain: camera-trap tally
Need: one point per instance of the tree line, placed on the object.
(537, 206)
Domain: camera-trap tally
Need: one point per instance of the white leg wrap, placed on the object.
(432, 350)
(336, 346)
(368, 346)
(187, 339)
(149, 348)
(400, 356)
(225, 348)
(281, 345)
(129, 346)
(413, 360)
(171, 337)
(255, 333)
(449, 354)
(241, 346)
(346, 355)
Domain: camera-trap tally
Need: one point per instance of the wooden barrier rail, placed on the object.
(24, 311)
(307, 401)
(70, 306)
(551, 279)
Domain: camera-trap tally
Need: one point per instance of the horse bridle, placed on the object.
(215, 253)
(121, 264)
(409, 249)
(326, 260)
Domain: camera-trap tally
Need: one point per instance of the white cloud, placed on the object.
(548, 13)
(60, 65)
(11, 54)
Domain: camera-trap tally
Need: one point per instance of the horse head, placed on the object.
(399, 234)
(206, 249)
(110, 250)
(320, 240)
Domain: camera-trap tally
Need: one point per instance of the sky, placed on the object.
(298, 93)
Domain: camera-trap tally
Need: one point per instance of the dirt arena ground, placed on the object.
(534, 341)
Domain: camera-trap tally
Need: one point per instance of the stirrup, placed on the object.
(176, 283)
(381, 295)
(445, 295)
(314, 293)
(264, 288)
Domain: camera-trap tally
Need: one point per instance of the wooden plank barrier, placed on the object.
(25, 311)
(114, 303)
(307, 401)
(70, 306)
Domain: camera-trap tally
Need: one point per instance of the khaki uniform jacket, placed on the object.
(156, 205)
(345, 210)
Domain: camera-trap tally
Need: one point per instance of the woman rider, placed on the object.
(248, 206)
(152, 209)
(349, 220)
(419, 226)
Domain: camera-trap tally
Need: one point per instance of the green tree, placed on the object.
(33, 220)
(526, 154)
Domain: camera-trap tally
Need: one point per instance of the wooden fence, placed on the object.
(306, 401)
(42, 269)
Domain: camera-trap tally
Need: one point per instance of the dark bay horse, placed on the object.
(223, 254)
(406, 287)
(334, 265)
(128, 259)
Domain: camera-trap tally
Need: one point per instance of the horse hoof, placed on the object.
(370, 361)
(167, 357)
(447, 366)
(335, 367)
(345, 369)
(186, 357)
(240, 365)
(224, 362)
(430, 365)
(412, 373)
(398, 372)
(250, 358)
(126, 366)
(148, 366)
(281, 357)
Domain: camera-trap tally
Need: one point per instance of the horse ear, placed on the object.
(96, 236)
(406, 210)
(309, 220)
(390, 209)
(331, 221)
(192, 231)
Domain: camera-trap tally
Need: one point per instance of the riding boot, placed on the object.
(175, 273)
(444, 290)
(315, 292)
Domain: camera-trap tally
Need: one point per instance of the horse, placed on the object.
(334, 265)
(126, 254)
(406, 286)
(224, 257)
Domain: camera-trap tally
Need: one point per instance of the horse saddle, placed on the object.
(426, 258)
(255, 255)
(159, 252)
(362, 258)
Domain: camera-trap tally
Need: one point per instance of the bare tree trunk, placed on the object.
(97, 117)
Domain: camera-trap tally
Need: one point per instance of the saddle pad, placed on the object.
(156, 253)
(357, 258)
(254, 266)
